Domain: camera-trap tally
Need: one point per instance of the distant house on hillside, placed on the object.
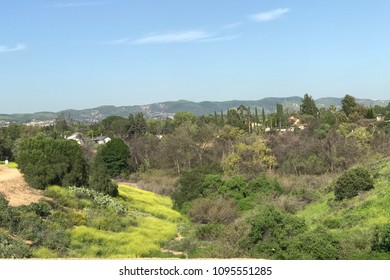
(296, 123)
(101, 140)
(77, 137)
(380, 118)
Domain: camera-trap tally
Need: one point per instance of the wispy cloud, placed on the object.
(233, 25)
(175, 37)
(221, 38)
(18, 47)
(75, 4)
(270, 15)
(117, 42)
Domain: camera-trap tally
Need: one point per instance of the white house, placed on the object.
(101, 140)
(77, 137)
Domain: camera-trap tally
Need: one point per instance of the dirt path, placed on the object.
(15, 189)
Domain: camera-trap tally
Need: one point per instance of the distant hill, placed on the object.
(167, 109)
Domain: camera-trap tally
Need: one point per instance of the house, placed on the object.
(101, 140)
(380, 118)
(78, 137)
(296, 123)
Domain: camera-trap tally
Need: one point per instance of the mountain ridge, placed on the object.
(163, 110)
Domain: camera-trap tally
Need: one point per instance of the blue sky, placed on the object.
(79, 54)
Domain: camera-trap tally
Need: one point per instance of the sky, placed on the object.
(57, 55)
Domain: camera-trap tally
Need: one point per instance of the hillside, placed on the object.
(353, 221)
(81, 223)
(167, 109)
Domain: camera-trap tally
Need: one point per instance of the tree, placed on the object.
(140, 125)
(370, 114)
(351, 182)
(115, 155)
(46, 161)
(191, 183)
(184, 117)
(279, 115)
(116, 126)
(249, 158)
(99, 178)
(308, 106)
(348, 104)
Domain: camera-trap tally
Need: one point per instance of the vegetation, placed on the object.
(352, 182)
(46, 161)
(242, 182)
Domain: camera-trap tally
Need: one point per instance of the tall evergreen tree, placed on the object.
(308, 106)
(348, 104)
(115, 155)
(99, 178)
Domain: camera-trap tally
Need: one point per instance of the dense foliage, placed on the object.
(46, 161)
(279, 185)
(351, 182)
(114, 156)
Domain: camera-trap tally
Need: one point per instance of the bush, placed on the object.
(13, 249)
(221, 210)
(209, 232)
(114, 155)
(190, 185)
(46, 161)
(271, 231)
(313, 245)
(351, 182)
(100, 180)
(381, 240)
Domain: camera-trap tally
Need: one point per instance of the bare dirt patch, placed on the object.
(15, 189)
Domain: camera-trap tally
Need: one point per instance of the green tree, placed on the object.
(279, 114)
(116, 126)
(140, 125)
(351, 182)
(115, 155)
(184, 117)
(348, 104)
(308, 106)
(99, 178)
(46, 161)
(249, 158)
(370, 114)
(190, 184)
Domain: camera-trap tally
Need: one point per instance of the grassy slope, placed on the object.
(355, 219)
(156, 223)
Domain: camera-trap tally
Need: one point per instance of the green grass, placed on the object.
(10, 164)
(148, 202)
(139, 241)
(359, 214)
(99, 232)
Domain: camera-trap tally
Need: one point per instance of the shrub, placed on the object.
(221, 210)
(313, 245)
(114, 155)
(12, 248)
(9, 218)
(190, 185)
(100, 180)
(41, 208)
(209, 231)
(381, 240)
(351, 182)
(271, 231)
(46, 161)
